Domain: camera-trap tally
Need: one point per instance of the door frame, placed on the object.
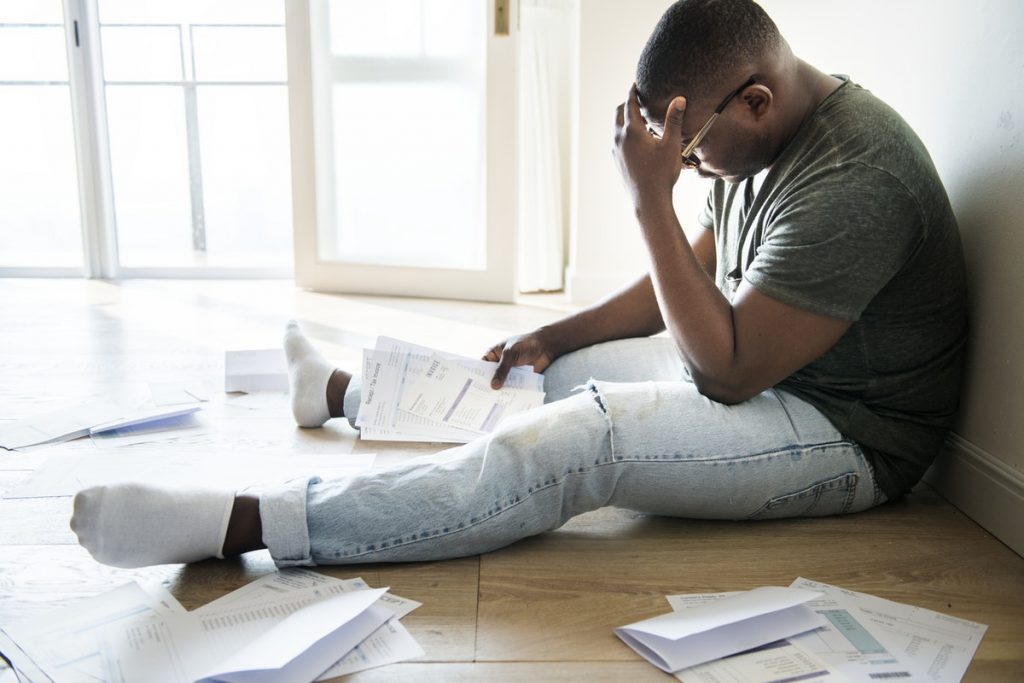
(496, 282)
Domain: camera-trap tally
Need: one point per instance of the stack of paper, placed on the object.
(859, 638)
(292, 626)
(63, 644)
(868, 638)
(413, 393)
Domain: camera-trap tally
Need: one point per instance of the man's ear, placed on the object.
(758, 99)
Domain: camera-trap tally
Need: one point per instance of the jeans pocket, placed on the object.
(833, 496)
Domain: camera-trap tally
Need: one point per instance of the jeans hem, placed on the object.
(285, 530)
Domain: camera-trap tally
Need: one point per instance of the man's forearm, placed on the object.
(631, 312)
(698, 317)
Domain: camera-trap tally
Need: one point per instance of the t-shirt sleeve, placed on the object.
(707, 216)
(837, 241)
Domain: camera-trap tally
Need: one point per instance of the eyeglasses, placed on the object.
(690, 160)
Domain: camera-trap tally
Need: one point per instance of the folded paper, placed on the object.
(734, 624)
(307, 642)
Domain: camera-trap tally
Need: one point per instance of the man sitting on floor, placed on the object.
(812, 366)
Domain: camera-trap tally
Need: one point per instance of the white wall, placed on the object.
(605, 250)
(955, 71)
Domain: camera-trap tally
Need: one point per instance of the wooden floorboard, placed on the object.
(541, 609)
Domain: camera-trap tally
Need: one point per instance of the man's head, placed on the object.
(699, 44)
(703, 50)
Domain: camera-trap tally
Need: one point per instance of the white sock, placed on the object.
(136, 525)
(308, 374)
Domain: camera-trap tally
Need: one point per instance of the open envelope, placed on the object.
(734, 624)
(307, 642)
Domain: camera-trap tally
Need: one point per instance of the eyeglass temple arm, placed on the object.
(699, 136)
(688, 150)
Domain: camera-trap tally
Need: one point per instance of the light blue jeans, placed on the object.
(639, 436)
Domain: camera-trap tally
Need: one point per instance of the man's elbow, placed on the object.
(725, 390)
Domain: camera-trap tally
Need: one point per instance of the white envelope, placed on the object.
(258, 370)
(734, 624)
(141, 417)
(307, 642)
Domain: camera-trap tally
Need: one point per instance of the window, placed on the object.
(404, 146)
(40, 221)
(180, 112)
(406, 94)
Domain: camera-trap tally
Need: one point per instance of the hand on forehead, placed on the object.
(654, 114)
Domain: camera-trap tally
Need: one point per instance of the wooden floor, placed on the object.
(542, 609)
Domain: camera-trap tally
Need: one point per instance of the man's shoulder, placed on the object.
(856, 138)
(855, 106)
(856, 126)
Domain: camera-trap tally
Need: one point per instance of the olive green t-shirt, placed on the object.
(852, 222)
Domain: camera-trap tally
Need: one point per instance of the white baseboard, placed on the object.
(983, 487)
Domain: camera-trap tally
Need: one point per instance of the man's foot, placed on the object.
(137, 525)
(308, 376)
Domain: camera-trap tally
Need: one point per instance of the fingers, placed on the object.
(674, 120)
(633, 114)
(502, 354)
(628, 113)
(504, 365)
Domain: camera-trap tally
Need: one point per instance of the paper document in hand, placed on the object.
(740, 622)
(435, 389)
(412, 392)
(379, 417)
(445, 392)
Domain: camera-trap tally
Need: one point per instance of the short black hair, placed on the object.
(697, 43)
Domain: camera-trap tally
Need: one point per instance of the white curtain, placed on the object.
(545, 44)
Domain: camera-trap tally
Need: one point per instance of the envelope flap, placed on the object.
(752, 603)
(297, 632)
(673, 655)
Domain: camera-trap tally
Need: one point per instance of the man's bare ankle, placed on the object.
(337, 385)
(245, 528)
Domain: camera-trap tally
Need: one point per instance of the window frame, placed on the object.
(101, 258)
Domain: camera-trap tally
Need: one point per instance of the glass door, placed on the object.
(40, 212)
(196, 109)
(403, 146)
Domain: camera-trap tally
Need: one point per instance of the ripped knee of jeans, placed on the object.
(602, 405)
(595, 393)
